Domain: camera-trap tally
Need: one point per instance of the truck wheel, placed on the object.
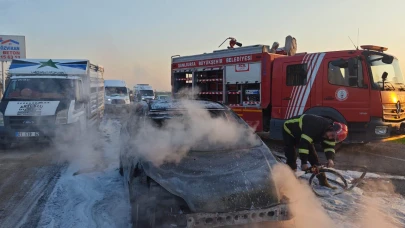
(338, 145)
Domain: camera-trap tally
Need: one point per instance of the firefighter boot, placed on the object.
(323, 181)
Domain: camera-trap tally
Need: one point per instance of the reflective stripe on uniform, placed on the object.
(287, 130)
(299, 120)
(330, 143)
(329, 150)
(303, 151)
(306, 137)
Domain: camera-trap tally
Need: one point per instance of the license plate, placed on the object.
(27, 134)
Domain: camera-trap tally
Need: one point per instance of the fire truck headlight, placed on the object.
(381, 130)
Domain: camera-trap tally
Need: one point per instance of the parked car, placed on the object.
(163, 97)
(211, 186)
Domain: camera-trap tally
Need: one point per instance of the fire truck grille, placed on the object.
(393, 113)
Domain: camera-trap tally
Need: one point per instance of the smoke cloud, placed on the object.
(192, 128)
(85, 151)
(372, 213)
(305, 206)
(367, 210)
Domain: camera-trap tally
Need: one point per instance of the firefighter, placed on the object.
(305, 130)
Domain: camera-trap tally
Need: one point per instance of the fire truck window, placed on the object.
(296, 75)
(343, 76)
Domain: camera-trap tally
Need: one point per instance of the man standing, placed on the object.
(305, 130)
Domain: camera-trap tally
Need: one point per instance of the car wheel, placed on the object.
(142, 205)
(152, 205)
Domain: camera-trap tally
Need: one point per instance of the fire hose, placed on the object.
(343, 183)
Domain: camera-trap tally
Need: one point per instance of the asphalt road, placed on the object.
(381, 158)
(27, 177)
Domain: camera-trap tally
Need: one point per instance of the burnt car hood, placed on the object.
(220, 181)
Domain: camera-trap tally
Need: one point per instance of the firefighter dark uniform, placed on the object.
(303, 131)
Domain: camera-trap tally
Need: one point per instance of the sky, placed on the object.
(135, 39)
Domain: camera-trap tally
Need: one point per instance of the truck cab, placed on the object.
(143, 92)
(50, 99)
(388, 86)
(361, 88)
(116, 95)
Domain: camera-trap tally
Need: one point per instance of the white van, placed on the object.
(46, 98)
(143, 92)
(116, 95)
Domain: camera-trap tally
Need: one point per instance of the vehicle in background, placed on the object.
(116, 96)
(143, 92)
(131, 94)
(362, 88)
(51, 98)
(163, 97)
(208, 185)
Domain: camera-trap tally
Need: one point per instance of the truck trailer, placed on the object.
(47, 99)
(363, 88)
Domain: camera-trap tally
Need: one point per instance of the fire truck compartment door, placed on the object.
(243, 72)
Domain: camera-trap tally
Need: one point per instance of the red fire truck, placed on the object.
(363, 88)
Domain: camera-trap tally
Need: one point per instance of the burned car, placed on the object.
(196, 163)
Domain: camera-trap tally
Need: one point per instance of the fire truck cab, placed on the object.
(364, 89)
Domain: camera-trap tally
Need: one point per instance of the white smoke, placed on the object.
(194, 129)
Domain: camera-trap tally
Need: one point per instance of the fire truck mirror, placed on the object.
(387, 59)
(384, 76)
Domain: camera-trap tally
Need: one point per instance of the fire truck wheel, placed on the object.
(338, 145)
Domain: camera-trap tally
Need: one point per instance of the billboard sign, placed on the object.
(12, 47)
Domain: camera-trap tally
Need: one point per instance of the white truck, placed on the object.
(49, 99)
(116, 95)
(143, 92)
